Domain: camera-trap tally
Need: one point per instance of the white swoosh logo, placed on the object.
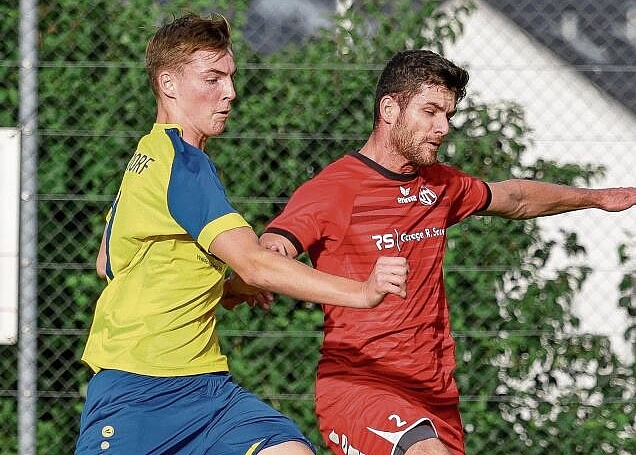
(393, 438)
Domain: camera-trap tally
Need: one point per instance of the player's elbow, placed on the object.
(260, 268)
(507, 200)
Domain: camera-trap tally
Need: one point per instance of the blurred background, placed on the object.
(543, 311)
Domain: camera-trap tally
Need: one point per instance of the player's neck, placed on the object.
(381, 151)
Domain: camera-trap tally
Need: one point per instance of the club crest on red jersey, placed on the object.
(427, 196)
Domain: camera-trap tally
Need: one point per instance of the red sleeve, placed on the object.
(468, 194)
(313, 211)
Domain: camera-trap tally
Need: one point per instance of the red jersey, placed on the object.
(345, 218)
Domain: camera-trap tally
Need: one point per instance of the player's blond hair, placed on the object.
(174, 43)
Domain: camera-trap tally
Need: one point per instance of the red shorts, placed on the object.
(362, 417)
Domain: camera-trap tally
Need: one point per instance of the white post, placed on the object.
(9, 233)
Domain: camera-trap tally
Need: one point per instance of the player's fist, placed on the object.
(387, 277)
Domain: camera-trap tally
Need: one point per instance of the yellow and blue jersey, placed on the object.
(156, 315)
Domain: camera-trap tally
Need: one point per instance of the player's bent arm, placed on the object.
(267, 269)
(523, 199)
(100, 262)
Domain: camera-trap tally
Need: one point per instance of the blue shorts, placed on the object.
(205, 414)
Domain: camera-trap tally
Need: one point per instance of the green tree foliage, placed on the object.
(528, 383)
(535, 377)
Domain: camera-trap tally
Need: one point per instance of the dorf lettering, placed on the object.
(139, 163)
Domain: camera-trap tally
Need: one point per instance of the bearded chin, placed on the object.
(417, 153)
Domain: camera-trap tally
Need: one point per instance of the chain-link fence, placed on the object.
(299, 107)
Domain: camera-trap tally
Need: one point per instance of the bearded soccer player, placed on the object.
(385, 382)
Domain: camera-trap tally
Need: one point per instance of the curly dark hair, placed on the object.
(407, 71)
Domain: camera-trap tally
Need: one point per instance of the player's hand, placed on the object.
(236, 291)
(617, 199)
(278, 247)
(387, 277)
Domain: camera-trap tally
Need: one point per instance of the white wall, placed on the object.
(9, 237)
(572, 122)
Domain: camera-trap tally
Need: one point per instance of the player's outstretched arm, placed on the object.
(523, 199)
(383, 272)
(267, 269)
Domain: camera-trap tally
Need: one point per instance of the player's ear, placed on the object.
(389, 109)
(166, 84)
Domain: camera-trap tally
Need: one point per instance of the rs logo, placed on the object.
(384, 242)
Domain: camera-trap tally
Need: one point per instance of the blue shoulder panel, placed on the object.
(195, 194)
